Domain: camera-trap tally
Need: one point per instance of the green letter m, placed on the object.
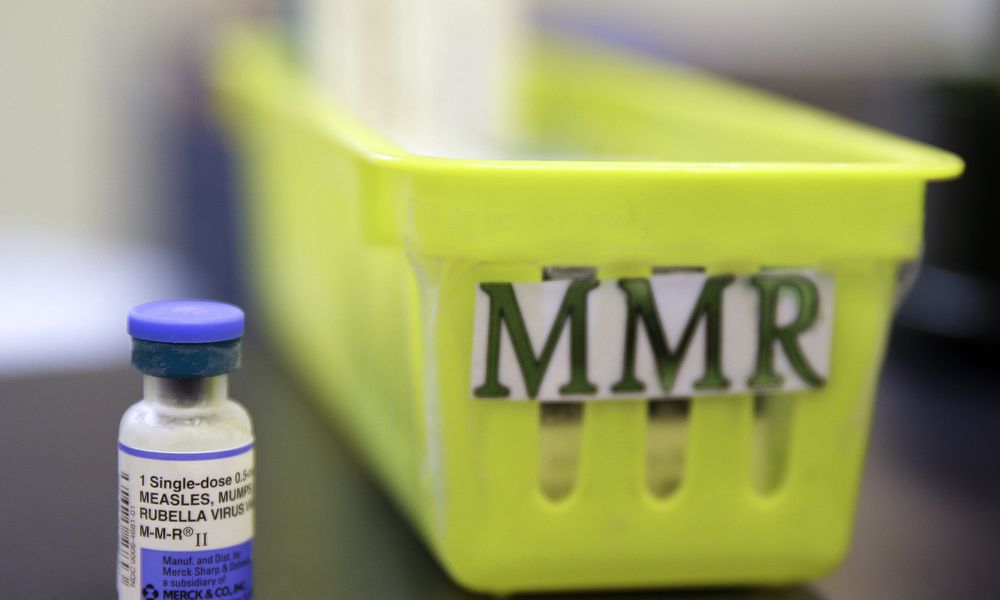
(504, 309)
(641, 306)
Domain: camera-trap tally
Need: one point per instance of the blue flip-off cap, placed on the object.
(185, 338)
(186, 321)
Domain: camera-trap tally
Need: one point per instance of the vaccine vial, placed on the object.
(185, 459)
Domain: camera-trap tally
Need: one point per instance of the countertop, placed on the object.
(928, 523)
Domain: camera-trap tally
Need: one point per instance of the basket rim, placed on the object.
(252, 63)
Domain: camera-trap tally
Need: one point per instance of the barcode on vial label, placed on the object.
(125, 531)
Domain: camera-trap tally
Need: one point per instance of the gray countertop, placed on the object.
(928, 522)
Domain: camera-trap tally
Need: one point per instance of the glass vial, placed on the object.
(185, 459)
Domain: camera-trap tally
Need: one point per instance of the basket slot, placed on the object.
(667, 429)
(773, 417)
(771, 441)
(561, 425)
(666, 445)
(559, 448)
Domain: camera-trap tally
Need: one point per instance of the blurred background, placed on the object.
(117, 182)
(119, 188)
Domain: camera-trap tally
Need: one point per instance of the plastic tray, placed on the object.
(367, 260)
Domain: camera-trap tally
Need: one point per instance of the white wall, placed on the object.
(813, 39)
(85, 87)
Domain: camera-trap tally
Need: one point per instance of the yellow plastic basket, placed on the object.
(367, 260)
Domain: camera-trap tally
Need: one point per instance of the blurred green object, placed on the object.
(366, 260)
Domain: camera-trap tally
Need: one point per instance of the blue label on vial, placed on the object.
(225, 573)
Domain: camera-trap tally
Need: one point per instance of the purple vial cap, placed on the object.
(185, 322)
